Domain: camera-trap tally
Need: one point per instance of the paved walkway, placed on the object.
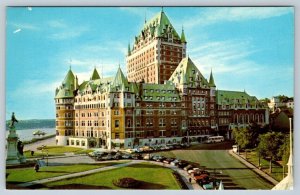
(254, 168)
(184, 175)
(79, 174)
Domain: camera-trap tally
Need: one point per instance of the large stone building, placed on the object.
(164, 99)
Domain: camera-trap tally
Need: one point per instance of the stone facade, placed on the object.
(165, 99)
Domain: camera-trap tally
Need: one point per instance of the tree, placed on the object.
(247, 138)
(284, 150)
(269, 145)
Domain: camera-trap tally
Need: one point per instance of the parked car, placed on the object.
(175, 162)
(188, 167)
(177, 146)
(107, 157)
(161, 159)
(137, 156)
(155, 157)
(168, 160)
(117, 156)
(147, 157)
(182, 164)
(126, 156)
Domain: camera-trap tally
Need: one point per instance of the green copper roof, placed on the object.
(158, 26)
(95, 75)
(120, 79)
(129, 50)
(211, 80)
(188, 73)
(239, 98)
(160, 92)
(182, 38)
(67, 87)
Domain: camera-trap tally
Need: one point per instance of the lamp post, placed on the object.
(47, 156)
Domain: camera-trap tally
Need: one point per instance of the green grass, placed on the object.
(38, 154)
(29, 174)
(61, 149)
(234, 174)
(152, 176)
(277, 170)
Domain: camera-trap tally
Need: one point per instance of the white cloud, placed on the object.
(235, 14)
(34, 88)
(68, 33)
(225, 57)
(18, 30)
(57, 24)
(25, 26)
(140, 11)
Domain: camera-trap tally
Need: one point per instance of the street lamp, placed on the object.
(47, 156)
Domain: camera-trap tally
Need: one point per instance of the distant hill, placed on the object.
(33, 124)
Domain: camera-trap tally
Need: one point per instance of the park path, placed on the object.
(35, 145)
(184, 175)
(253, 168)
(78, 174)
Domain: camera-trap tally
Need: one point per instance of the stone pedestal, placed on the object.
(13, 155)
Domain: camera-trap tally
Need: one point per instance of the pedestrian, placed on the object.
(36, 167)
(190, 180)
(32, 152)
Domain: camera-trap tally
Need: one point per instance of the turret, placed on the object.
(129, 50)
(211, 82)
(182, 37)
(95, 75)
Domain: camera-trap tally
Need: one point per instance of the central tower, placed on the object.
(156, 51)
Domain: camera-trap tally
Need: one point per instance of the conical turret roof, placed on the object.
(120, 81)
(67, 87)
(182, 38)
(95, 75)
(188, 73)
(211, 80)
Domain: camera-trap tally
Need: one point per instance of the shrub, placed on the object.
(126, 182)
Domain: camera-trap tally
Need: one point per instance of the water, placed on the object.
(27, 134)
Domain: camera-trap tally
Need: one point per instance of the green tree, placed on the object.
(269, 145)
(284, 150)
(247, 138)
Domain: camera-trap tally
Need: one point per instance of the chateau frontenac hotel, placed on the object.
(164, 99)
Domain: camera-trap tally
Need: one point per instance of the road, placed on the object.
(220, 163)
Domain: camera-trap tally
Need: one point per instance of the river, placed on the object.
(27, 134)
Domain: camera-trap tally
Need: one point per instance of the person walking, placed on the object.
(36, 167)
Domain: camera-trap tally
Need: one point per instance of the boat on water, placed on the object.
(38, 132)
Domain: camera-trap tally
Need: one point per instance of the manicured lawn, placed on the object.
(234, 174)
(277, 170)
(152, 177)
(29, 174)
(39, 154)
(61, 149)
(56, 151)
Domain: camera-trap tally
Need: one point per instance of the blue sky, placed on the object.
(249, 48)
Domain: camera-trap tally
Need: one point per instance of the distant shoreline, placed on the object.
(38, 139)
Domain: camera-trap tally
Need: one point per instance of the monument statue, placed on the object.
(13, 120)
(20, 147)
(14, 145)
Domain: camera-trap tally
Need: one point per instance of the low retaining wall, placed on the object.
(254, 168)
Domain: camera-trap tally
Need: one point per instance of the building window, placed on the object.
(117, 123)
(117, 136)
(128, 123)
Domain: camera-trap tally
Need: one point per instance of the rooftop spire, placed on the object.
(129, 49)
(211, 80)
(95, 74)
(182, 38)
